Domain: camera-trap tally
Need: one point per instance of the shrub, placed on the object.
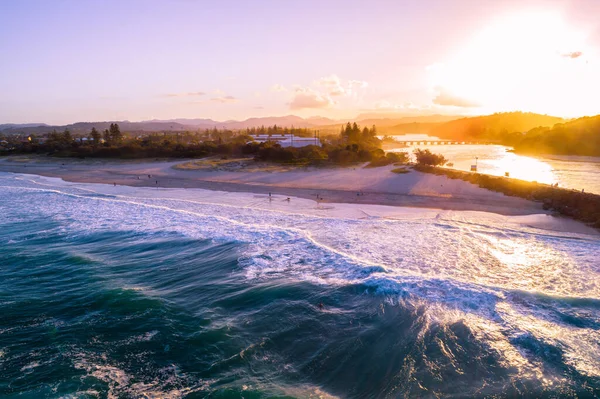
(426, 157)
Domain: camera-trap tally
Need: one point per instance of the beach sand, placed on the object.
(339, 185)
(384, 192)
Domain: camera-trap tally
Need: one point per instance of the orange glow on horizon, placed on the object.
(532, 62)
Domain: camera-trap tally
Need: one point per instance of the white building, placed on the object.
(287, 140)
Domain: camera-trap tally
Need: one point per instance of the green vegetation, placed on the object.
(352, 145)
(412, 128)
(497, 127)
(426, 157)
(575, 204)
(527, 132)
(400, 171)
(388, 159)
(578, 137)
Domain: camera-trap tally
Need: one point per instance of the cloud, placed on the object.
(361, 84)
(573, 55)
(321, 93)
(448, 99)
(259, 107)
(407, 106)
(225, 100)
(309, 98)
(277, 88)
(334, 86)
(188, 94)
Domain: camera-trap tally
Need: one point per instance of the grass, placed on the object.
(584, 207)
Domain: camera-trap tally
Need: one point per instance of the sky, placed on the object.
(64, 61)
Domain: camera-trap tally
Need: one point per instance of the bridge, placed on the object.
(442, 142)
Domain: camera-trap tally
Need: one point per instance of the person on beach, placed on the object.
(115, 184)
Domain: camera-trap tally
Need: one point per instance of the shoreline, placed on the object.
(493, 206)
(377, 186)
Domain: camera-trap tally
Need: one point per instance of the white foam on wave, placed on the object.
(463, 265)
(121, 384)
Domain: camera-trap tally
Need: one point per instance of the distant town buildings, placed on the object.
(287, 140)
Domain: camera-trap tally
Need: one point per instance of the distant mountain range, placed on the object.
(181, 124)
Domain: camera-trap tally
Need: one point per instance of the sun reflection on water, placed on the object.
(495, 160)
(524, 168)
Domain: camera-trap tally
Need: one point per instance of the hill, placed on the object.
(83, 128)
(411, 128)
(577, 137)
(494, 127)
(391, 119)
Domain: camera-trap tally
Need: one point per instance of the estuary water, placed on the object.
(574, 172)
(122, 292)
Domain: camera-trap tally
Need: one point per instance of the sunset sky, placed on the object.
(69, 60)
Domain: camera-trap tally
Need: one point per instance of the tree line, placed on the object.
(353, 144)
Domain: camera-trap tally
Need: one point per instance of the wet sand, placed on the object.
(326, 185)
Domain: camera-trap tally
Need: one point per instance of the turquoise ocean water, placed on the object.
(125, 293)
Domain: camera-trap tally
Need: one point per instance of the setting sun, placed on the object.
(528, 61)
(299, 199)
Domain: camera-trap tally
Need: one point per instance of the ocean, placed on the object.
(122, 292)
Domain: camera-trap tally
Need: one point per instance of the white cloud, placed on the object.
(322, 92)
(225, 99)
(277, 88)
(360, 84)
(446, 98)
(573, 54)
(332, 85)
(407, 106)
(309, 98)
(188, 94)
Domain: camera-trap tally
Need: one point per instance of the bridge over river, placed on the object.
(443, 142)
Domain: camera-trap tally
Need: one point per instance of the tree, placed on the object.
(95, 136)
(426, 157)
(115, 133)
(106, 136)
(66, 137)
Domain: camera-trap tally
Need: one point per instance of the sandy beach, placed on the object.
(331, 185)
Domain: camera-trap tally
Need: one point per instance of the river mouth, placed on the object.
(571, 172)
